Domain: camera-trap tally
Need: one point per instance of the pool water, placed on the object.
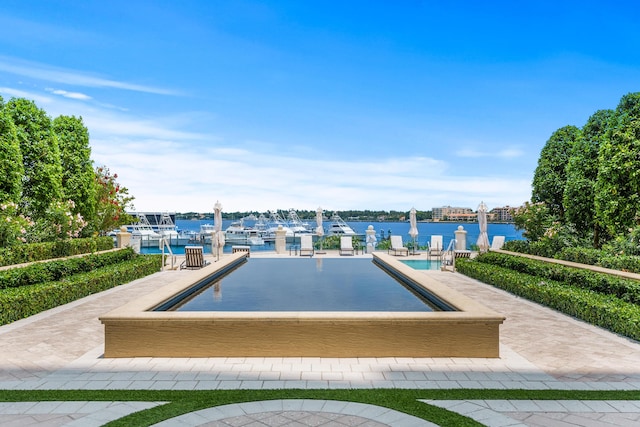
(330, 284)
(423, 264)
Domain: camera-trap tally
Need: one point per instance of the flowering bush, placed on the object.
(111, 203)
(59, 222)
(13, 226)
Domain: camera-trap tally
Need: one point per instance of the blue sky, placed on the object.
(341, 104)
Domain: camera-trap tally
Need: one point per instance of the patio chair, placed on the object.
(346, 245)
(397, 247)
(193, 258)
(497, 242)
(306, 245)
(435, 246)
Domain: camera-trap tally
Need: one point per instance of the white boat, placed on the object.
(238, 233)
(297, 226)
(168, 230)
(206, 233)
(339, 228)
(143, 231)
(268, 229)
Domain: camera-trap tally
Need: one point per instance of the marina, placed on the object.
(200, 231)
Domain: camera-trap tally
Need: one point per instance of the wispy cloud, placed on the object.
(18, 93)
(50, 73)
(506, 153)
(66, 94)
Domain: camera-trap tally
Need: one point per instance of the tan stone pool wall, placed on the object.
(134, 331)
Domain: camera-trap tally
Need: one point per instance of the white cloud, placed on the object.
(17, 93)
(164, 176)
(72, 95)
(49, 73)
(506, 153)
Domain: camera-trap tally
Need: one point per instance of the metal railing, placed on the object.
(449, 256)
(164, 244)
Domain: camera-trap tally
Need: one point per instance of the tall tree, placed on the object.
(11, 169)
(582, 173)
(618, 184)
(78, 176)
(42, 181)
(550, 178)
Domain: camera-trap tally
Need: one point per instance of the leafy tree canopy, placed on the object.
(550, 176)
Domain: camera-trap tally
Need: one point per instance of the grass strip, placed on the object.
(402, 400)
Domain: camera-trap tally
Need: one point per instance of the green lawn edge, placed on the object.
(402, 400)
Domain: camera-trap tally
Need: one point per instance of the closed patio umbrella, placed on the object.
(483, 238)
(319, 229)
(219, 237)
(413, 230)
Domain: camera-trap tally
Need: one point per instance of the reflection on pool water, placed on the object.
(330, 284)
(423, 264)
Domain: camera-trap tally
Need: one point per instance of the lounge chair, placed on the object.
(435, 246)
(194, 258)
(397, 247)
(346, 245)
(306, 245)
(497, 242)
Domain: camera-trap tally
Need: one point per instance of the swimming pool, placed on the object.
(136, 330)
(423, 264)
(262, 284)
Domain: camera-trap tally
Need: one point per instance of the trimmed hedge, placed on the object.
(587, 256)
(606, 311)
(601, 258)
(19, 254)
(55, 270)
(25, 301)
(625, 289)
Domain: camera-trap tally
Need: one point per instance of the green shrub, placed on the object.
(582, 255)
(55, 270)
(19, 254)
(333, 242)
(625, 289)
(605, 311)
(588, 256)
(520, 246)
(25, 301)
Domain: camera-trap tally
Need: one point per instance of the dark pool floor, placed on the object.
(314, 284)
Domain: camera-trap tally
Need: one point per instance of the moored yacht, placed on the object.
(168, 230)
(339, 227)
(238, 233)
(297, 226)
(143, 231)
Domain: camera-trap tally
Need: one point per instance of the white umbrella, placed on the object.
(217, 220)
(483, 238)
(413, 231)
(319, 229)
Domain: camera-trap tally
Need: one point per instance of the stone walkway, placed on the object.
(540, 349)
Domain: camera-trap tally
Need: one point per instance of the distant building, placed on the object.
(448, 213)
(501, 214)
